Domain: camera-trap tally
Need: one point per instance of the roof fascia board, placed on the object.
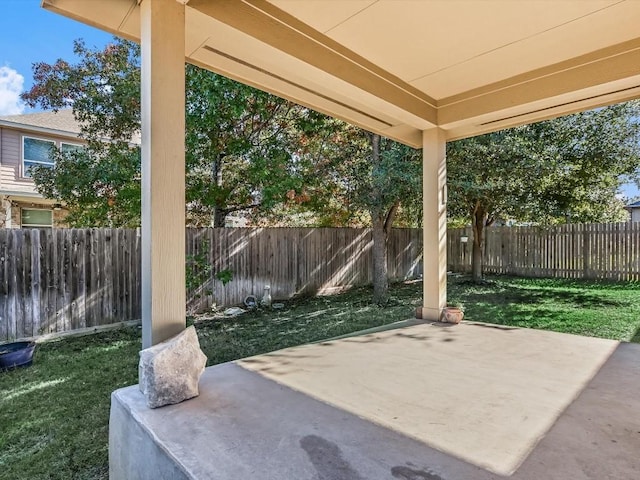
(33, 128)
(272, 26)
(597, 68)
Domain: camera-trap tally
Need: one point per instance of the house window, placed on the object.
(36, 151)
(36, 218)
(70, 147)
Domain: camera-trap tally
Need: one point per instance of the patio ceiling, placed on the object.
(398, 67)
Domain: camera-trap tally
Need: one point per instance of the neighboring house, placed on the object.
(26, 140)
(634, 211)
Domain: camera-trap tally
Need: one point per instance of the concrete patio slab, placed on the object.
(480, 392)
(247, 423)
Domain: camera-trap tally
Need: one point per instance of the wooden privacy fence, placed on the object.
(594, 251)
(294, 261)
(65, 279)
(57, 280)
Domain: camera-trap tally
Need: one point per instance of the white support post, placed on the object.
(434, 198)
(163, 175)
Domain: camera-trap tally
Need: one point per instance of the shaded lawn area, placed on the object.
(54, 415)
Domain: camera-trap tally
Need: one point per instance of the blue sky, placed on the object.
(30, 34)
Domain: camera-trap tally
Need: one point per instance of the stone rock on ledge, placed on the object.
(169, 371)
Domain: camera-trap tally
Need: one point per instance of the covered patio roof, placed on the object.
(399, 67)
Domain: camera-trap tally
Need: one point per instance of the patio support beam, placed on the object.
(163, 175)
(434, 228)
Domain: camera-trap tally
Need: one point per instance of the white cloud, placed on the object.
(11, 84)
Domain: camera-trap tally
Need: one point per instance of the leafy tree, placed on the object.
(567, 169)
(100, 184)
(239, 141)
(357, 179)
(241, 147)
(393, 175)
(363, 179)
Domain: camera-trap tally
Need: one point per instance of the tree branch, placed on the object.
(237, 208)
(391, 215)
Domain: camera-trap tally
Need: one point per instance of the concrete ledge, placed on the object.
(134, 452)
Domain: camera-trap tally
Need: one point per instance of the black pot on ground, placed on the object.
(17, 354)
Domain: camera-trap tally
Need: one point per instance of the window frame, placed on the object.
(62, 142)
(34, 225)
(24, 168)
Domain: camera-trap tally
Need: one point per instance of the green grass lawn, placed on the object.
(595, 309)
(54, 415)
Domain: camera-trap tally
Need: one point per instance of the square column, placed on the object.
(163, 170)
(434, 223)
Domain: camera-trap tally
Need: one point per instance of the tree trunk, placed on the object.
(479, 218)
(219, 214)
(380, 281)
(381, 222)
(219, 217)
